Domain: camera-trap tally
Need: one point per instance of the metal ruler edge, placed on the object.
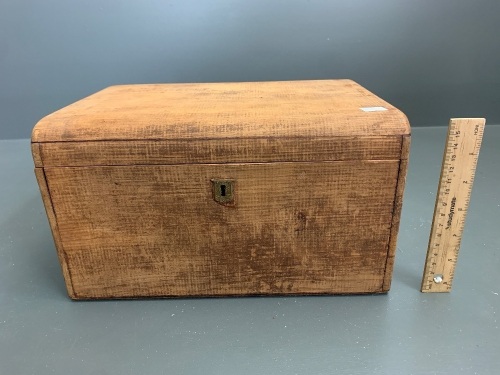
(461, 153)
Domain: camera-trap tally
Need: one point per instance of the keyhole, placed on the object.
(223, 191)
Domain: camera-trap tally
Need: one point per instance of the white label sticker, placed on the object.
(373, 109)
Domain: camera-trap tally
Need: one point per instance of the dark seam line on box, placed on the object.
(228, 163)
(393, 210)
(165, 162)
(223, 295)
(59, 233)
(312, 137)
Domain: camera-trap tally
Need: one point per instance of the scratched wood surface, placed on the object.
(49, 209)
(295, 228)
(325, 108)
(396, 214)
(68, 154)
(125, 176)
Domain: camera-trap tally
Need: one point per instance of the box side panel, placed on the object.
(294, 228)
(47, 202)
(398, 203)
(248, 150)
(37, 154)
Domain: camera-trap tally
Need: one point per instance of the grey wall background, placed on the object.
(432, 59)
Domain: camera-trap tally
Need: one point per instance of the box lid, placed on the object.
(264, 112)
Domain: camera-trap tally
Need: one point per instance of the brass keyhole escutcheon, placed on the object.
(223, 191)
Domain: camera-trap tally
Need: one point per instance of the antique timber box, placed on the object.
(218, 189)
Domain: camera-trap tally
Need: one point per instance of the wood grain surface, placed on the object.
(325, 108)
(126, 177)
(458, 169)
(251, 150)
(49, 209)
(156, 230)
(396, 215)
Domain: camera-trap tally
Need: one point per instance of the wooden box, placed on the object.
(222, 189)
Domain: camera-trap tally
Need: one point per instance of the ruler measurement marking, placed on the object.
(463, 143)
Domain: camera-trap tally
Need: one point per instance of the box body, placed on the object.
(220, 189)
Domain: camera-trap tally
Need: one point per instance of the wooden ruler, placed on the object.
(457, 175)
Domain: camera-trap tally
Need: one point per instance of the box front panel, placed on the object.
(301, 228)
